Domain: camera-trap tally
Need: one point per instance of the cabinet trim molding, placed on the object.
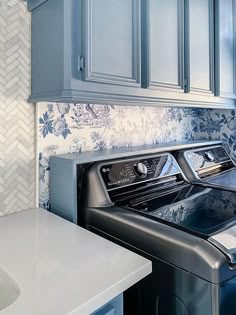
(75, 96)
(218, 91)
(217, 47)
(186, 48)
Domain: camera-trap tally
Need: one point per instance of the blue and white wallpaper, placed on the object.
(64, 128)
(219, 124)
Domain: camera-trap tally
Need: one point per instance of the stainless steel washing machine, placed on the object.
(208, 166)
(188, 231)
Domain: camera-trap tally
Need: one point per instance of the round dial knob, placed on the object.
(209, 157)
(140, 170)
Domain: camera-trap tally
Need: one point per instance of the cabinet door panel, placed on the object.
(201, 45)
(227, 49)
(112, 41)
(164, 28)
(114, 307)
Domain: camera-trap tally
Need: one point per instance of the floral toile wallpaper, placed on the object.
(64, 128)
(219, 124)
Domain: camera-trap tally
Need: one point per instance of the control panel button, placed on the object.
(209, 156)
(140, 170)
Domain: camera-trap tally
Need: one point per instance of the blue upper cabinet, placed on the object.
(133, 52)
(200, 46)
(112, 41)
(86, 50)
(225, 34)
(163, 44)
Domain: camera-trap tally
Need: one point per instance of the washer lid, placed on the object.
(226, 242)
(224, 180)
(203, 212)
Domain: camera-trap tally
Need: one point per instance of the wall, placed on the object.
(219, 124)
(64, 128)
(17, 117)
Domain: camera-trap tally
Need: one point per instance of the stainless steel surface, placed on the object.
(140, 169)
(97, 193)
(209, 156)
(192, 172)
(225, 180)
(185, 262)
(226, 242)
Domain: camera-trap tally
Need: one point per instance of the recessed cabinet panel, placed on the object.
(165, 62)
(111, 46)
(201, 45)
(227, 51)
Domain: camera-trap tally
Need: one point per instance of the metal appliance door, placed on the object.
(195, 209)
(226, 242)
(226, 181)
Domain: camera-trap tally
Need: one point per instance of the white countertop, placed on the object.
(61, 268)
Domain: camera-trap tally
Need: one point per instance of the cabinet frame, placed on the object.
(87, 59)
(218, 91)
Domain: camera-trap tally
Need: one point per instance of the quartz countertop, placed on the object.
(61, 268)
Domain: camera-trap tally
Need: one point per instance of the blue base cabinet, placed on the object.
(114, 307)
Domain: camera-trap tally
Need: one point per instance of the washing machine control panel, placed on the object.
(138, 171)
(207, 157)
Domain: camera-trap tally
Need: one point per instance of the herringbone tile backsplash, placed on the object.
(17, 117)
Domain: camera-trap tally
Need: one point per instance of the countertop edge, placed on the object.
(111, 292)
(45, 223)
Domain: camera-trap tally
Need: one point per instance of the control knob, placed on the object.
(140, 170)
(209, 156)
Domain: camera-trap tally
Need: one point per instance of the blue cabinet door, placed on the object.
(225, 47)
(111, 45)
(200, 36)
(33, 4)
(114, 307)
(163, 44)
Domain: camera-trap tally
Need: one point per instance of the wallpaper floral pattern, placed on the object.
(219, 124)
(64, 128)
(199, 202)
